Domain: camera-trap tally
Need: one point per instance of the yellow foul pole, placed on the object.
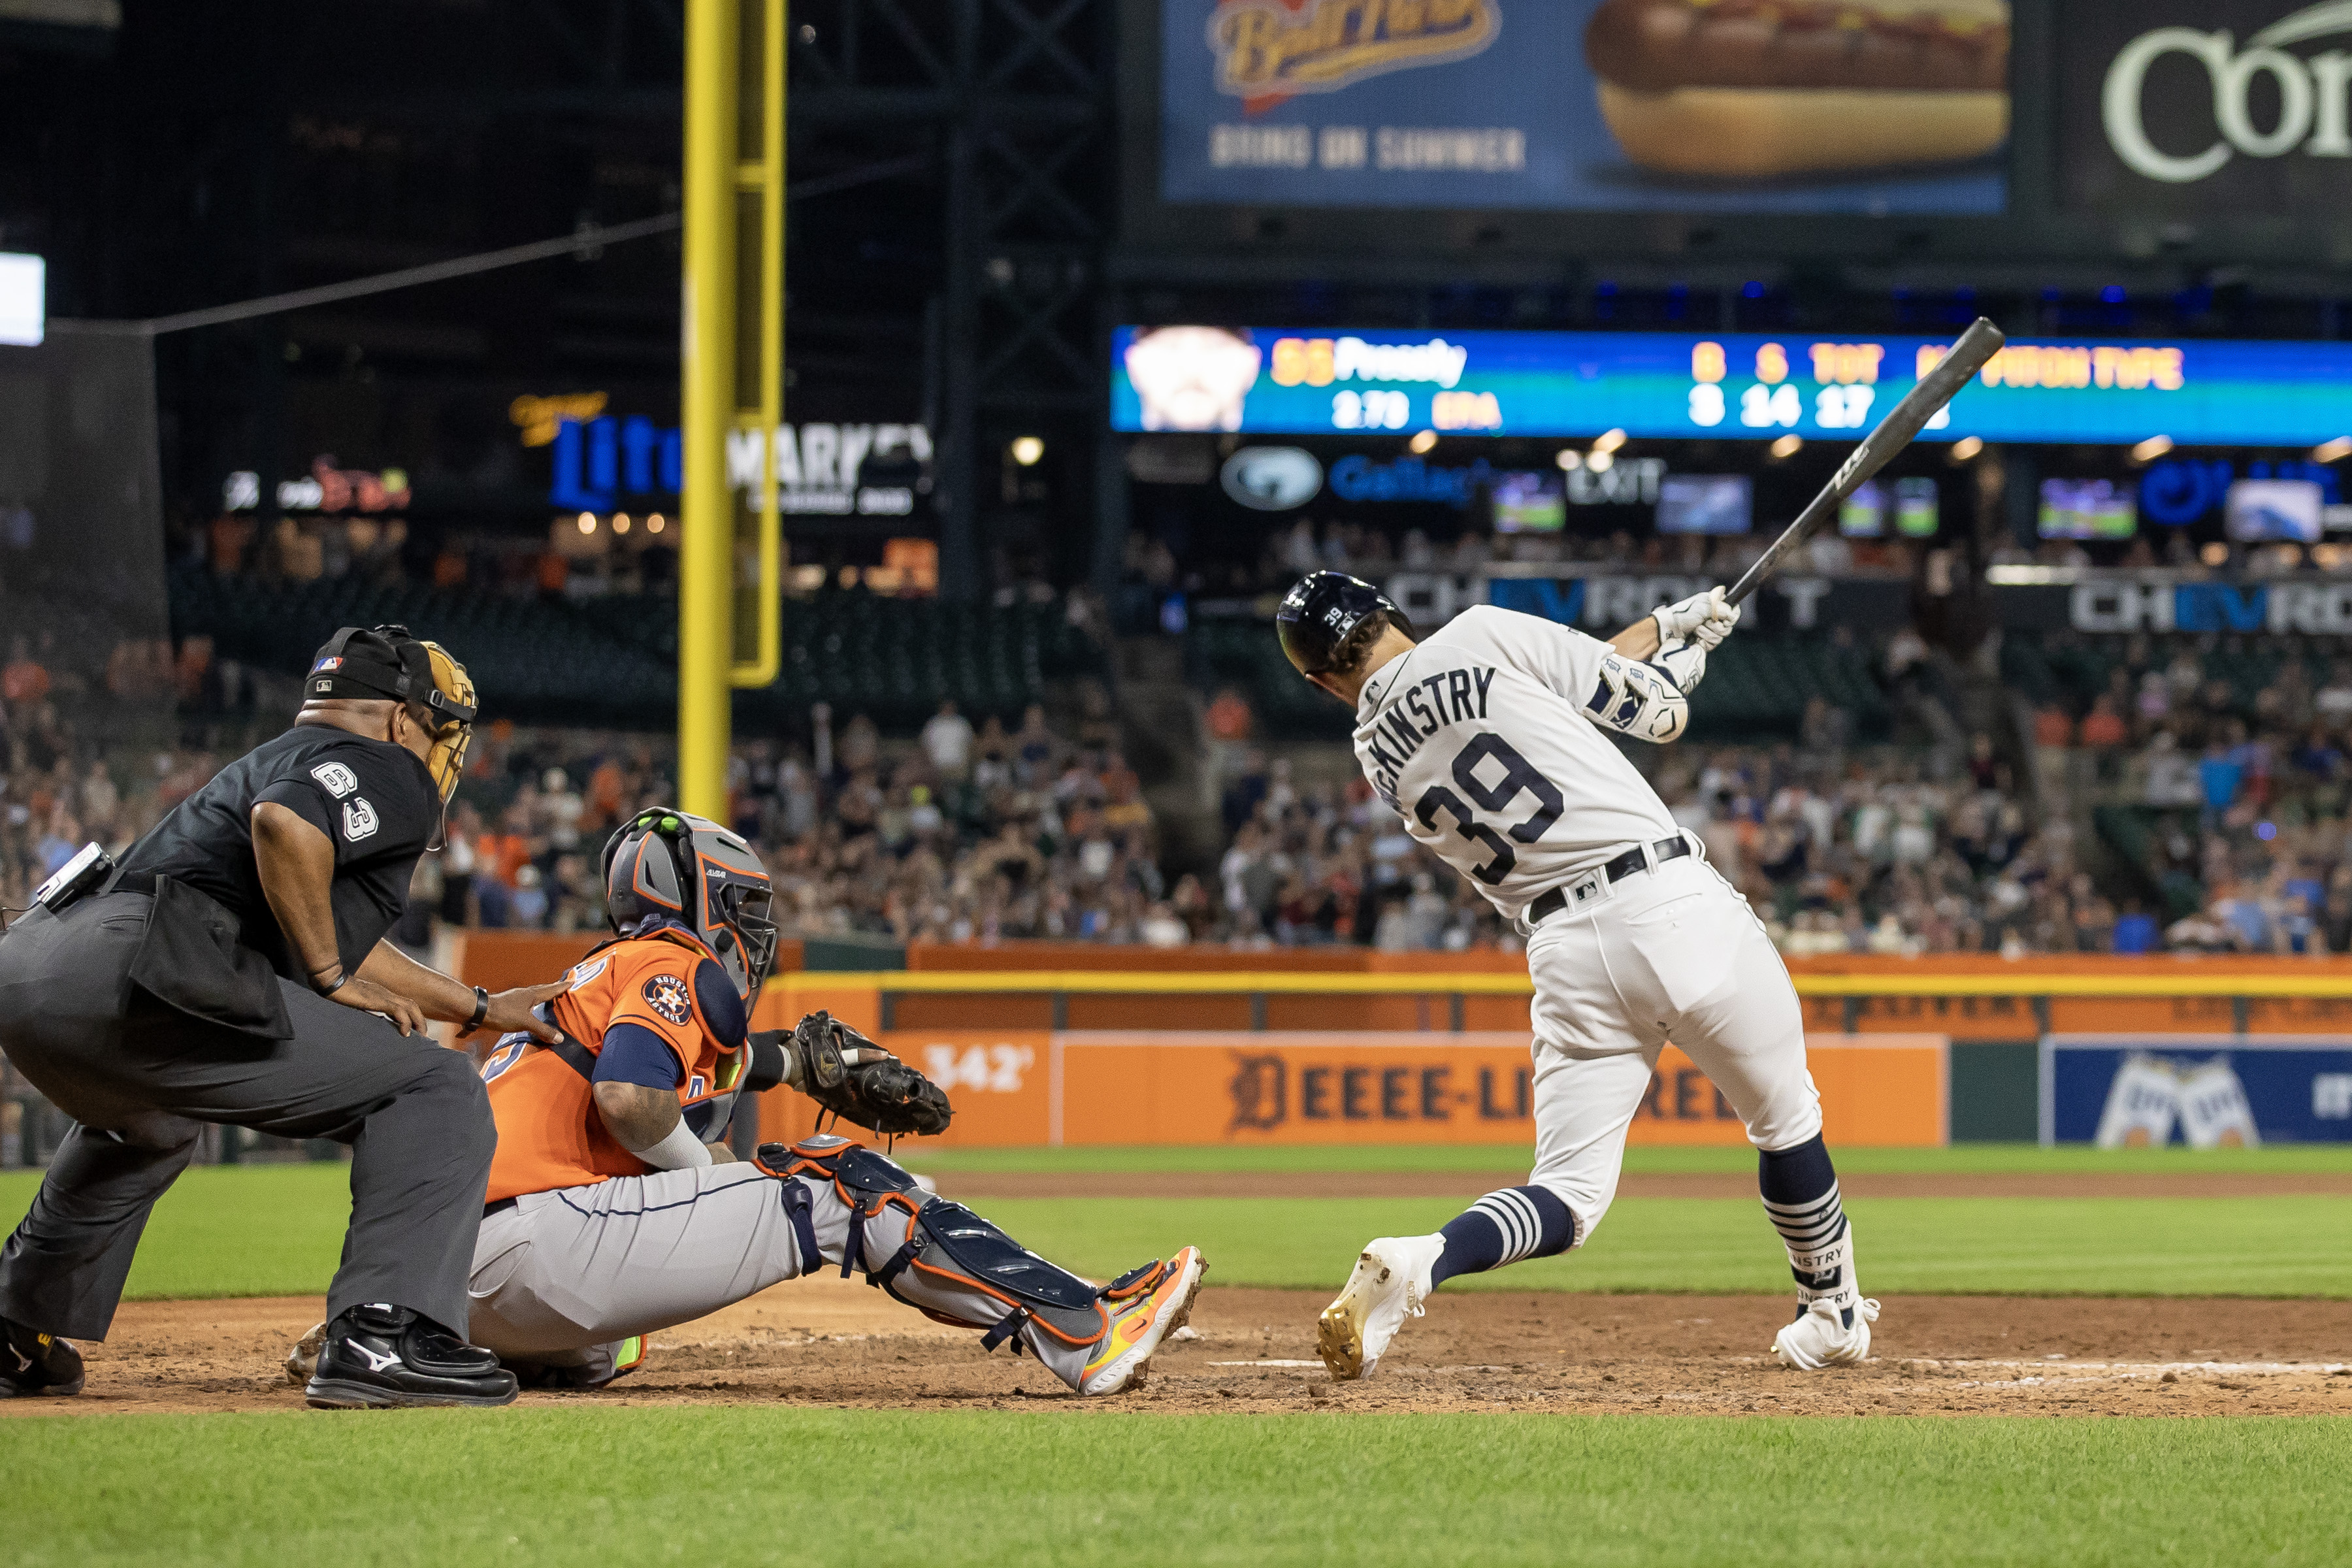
(706, 588)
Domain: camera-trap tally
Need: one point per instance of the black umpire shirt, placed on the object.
(375, 802)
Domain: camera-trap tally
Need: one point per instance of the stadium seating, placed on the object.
(1756, 688)
(612, 660)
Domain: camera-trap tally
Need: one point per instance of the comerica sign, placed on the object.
(2307, 112)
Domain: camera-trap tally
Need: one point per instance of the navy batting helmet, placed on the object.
(664, 864)
(1322, 610)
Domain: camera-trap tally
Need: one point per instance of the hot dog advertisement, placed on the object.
(1873, 106)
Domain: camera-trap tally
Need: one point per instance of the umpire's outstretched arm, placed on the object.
(296, 866)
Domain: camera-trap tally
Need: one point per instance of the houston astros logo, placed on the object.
(665, 993)
(1267, 48)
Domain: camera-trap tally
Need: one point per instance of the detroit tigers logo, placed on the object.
(667, 995)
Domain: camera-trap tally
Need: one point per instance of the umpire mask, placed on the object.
(389, 662)
(665, 866)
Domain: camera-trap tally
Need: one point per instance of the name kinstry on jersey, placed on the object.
(1448, 697)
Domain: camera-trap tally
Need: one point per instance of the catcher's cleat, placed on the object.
(381, 1356)
(600, 1369)
(37, 1365)
(1823, 1335)
(1391, 1282)
(1123, 1360)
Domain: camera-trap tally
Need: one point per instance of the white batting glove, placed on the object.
(1703, 618)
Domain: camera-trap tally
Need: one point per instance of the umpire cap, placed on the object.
(1322, 610)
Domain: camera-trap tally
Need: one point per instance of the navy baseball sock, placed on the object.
(1503, 1228)
(1801, 1195)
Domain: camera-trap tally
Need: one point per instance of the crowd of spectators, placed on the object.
(2231, 759)
(2231, 763)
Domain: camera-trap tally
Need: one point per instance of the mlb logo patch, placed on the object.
(335, 663)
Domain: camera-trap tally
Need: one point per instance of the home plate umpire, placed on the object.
(232, 969)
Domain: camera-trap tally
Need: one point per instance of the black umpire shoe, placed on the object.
(384, 1355)
(35, 1364)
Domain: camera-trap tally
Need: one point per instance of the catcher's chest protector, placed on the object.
(948, 1244)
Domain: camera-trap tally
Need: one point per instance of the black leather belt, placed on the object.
(499, 1207)
(1550, 903)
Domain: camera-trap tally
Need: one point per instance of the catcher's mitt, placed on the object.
(859, 1081)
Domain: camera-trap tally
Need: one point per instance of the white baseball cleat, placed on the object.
(1390, 1283)
(1824, 1336)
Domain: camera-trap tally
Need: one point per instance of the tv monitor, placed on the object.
(1529, 503)
(1706, 503)
(1917, 509)
(2263, 511)
(2088, 509)
(1863, 514)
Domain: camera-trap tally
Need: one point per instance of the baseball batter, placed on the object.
(616, 1209)
(1493, 740)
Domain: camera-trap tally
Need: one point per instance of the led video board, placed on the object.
(1750, 386)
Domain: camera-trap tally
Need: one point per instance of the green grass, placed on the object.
(2113, 1246)
(231, 1230)
(940, 1489)
(276, 1230)
(1966, 1159)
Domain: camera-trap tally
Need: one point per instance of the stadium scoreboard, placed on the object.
(1754, 387)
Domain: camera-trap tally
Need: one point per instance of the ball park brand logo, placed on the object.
(1270, 1091)
(2310, 111)
(1272, 49)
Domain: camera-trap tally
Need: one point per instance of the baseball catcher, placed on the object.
(1495, 740)
(617, 1209)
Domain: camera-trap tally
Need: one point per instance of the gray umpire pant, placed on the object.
(141, 1076)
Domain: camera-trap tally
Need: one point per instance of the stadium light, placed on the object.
(1027, 450)
(620, 522)
(2150, 450)
(1568, 458)
(1608, 441)
(1600, 462)
(656, 523)
(1788, 445)
(24, 300)
(1967, 446)
(1423, 443)
(2334, 451)
(587, 523)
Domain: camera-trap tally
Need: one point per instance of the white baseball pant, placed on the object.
(1672, 953)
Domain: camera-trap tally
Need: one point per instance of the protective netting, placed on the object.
(87, 669)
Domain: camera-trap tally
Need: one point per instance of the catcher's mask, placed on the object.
(391, 662)
(1321, 611)
(665, 865)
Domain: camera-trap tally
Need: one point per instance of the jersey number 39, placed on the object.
(1520, 777)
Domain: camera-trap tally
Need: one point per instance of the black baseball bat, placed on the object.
(1894, 433)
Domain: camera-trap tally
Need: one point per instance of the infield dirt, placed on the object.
(825, 1342)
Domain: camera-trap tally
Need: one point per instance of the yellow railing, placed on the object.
(1291, 983)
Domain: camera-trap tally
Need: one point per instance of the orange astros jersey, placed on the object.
(550, 1135)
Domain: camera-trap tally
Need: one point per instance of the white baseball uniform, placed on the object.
(1488, 740)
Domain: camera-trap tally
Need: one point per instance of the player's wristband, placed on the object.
(481, 1010)
(341, 980)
